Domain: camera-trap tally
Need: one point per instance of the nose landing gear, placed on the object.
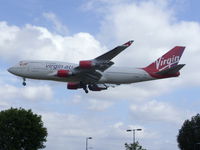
(24, 82)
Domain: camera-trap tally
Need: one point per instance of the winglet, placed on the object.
(127, 44)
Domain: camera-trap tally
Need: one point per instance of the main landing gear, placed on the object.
(85, 89)
(84, 86)
(24, 82)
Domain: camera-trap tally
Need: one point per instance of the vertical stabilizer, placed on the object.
(168, 60)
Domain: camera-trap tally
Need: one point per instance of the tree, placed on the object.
(20, 129)
(189, 135)
(135, 146)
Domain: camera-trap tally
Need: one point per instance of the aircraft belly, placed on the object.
(49, 76)
(122, 78)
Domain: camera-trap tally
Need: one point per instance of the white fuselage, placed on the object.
(46, 70)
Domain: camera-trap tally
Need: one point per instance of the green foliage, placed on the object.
(20, 129)
(135, 146)
(189, 135)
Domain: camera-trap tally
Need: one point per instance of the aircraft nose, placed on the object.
(11, 69)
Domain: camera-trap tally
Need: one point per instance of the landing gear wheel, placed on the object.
(86, 91)
(24, 82)
(84, 86)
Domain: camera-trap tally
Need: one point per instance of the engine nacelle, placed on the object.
(97, 87)
(73, 85)
(86, 64)
(64, 73)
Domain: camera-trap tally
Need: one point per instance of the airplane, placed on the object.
(99, 73)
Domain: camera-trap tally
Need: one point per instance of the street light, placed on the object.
(87, 142)
(133, 130)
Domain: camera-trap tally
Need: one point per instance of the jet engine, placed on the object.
(97, 87)
(86, 64)
(73, 85)
(64, 73)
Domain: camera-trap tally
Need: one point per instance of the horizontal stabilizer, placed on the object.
(172, 70)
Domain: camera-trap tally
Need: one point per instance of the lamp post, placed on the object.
(133, 130)
(87, 142)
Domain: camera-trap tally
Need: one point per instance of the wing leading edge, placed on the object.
(114, 52)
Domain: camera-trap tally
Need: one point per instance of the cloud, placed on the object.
(32, 93)
(65, 129)
(9, 92)
(158, 111)
(137, 92)
(3, 105)
(74, 129)
(93, 104)
(35, 42)
(58, 26)
(99, 105)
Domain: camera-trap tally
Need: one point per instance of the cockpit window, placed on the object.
(23, 63)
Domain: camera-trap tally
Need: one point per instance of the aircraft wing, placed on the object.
(90, 70)
(104, 61)
(114, 52)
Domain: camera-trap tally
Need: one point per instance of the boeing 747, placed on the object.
(99, 73)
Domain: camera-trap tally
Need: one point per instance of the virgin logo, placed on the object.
(163, 63)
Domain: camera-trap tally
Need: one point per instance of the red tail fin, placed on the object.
(168, 60)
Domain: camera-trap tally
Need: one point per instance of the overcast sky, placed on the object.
(69, 30)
